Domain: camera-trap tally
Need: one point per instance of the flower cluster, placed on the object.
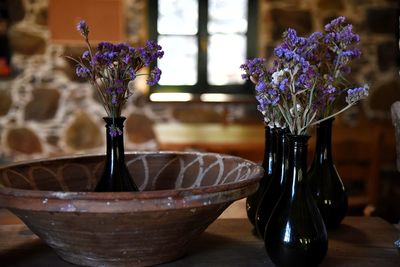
(111, 67)
(307, 76)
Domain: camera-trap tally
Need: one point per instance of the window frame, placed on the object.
(234, 92)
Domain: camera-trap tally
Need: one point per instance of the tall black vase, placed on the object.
(268, 164)
(295, 234)
(115, 177)
(325, 183)
(275, 188)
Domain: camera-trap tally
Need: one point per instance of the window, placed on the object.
(205, 43)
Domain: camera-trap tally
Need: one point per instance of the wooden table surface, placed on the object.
(208, 133)
(360, 241)
(246, 141)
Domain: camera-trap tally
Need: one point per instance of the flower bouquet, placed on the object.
(298, 90)
(301, 87)
(111, 69)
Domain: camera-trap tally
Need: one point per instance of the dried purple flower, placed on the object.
(114, 131)
(82, 71)
(254, 69)
(111, 67)
(261, 86)
(132, 73)
(152, 51)
(306, 76)
(154, 76)
(356, 94)
(83, 28)
(86, 55)
(114, 100)
(334, 23)
(282, 84)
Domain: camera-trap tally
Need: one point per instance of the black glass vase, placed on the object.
(275, 188)
(325, 183)
(268, 164)
(295, 234)
(115, 176)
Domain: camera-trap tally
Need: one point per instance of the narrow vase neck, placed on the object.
(281, 154)
(281, 145)
(269, 150)
(297, 160)
(115, 144)
(323, 148)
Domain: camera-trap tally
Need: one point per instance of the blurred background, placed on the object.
(201, 103)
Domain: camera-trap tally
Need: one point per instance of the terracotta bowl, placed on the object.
(181, 194)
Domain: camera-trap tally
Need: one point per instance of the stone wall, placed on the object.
(46, 111)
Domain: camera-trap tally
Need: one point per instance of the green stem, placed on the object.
(333, 115)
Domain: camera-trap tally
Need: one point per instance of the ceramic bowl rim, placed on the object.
(175, 195)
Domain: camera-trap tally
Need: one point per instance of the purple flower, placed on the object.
(121, 47)
(154, 76)
(356, 94)
(253, 68)
(150, 52)
(340, 39)
(280, 51)
(273, 98)
(100, 60)
(114, 100)
(351, 53)
(330, 89)
(346, 35)
(83, 28)
(111, 67)
(282, 84)
(105, 46)
(324, 96)
(127, 59)
(114, 131)
(109, 90)
(111, 56)
(291, 38)
(265, 101)
(334, 23)
(120, 90)
(262, 102)
(267, 95)
(82, 71)
(261, 86)
(315, 37)
(86, 55)
(288, 55)
(132, 73)
(306, 77)
(329, 38)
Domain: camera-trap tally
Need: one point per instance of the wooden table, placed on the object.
(246, 141)
(360, 241)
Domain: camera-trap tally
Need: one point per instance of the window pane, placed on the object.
(226, 54)
(227, 16)
(179, 64)
(177, 17)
